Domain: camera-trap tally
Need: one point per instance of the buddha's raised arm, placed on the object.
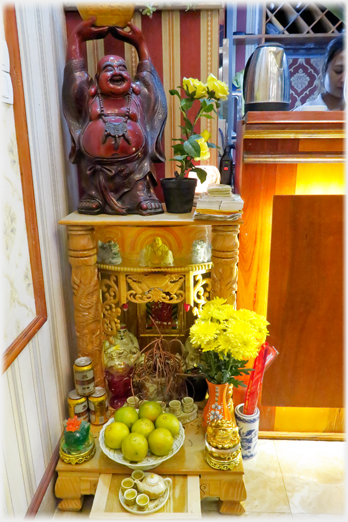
(152, 93)
(77, 81)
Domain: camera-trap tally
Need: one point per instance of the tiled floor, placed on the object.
(293, 480)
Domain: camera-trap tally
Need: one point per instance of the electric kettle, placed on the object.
(266, 84)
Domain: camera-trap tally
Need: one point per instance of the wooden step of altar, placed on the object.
(184, 500)
(75, 481)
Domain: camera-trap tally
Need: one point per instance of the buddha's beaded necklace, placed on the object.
(115, 130)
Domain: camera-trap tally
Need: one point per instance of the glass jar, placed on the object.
(119, 358)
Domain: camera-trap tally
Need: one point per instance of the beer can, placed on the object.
(78, 406)
(98, 406)
(84, 376)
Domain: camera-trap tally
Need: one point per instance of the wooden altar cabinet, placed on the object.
(96, 319)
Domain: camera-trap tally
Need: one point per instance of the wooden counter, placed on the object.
(280, 153)
(285, 154)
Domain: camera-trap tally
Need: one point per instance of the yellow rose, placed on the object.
(205, 153)
(220, 88)
(206, 135)
(193, 86)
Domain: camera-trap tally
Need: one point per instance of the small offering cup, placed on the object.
(175, 407)
(187, 404)
(126, 483)
(133, 402)
(142, 502)
(163, 405)
(138, 474)
(130, 496)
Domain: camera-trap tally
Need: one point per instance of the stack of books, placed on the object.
(219, 203)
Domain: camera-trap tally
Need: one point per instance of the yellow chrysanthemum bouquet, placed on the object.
(227, 339)
(191, 146)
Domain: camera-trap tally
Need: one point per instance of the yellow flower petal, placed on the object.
(194, 87)
(219, 89)
(236, 334)
(205, 153)
(206, 135)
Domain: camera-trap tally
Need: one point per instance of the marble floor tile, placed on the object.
(313, 474)
(285, 517)
(264, 483)
(319, 518)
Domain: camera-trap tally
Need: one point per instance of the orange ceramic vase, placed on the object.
(216, 407)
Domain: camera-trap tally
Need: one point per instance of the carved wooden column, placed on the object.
(86, 289)
(224, 272)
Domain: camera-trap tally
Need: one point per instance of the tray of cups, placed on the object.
(139, 503)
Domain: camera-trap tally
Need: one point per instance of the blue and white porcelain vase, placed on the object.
(248, 431)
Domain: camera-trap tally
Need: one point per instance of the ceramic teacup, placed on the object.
(163, 405)
(130, 496)
(175, 407)
(138, 474)
(133, 402)
(127, 483)
(142, 502)
(187, 404)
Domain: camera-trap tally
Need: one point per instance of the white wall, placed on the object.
(36, 385)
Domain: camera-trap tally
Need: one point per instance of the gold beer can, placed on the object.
(78, 406)
(84, 376)
(98, 406)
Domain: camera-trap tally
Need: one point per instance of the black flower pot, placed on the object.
(196, 387)
(178, 194)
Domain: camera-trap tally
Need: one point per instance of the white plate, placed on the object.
(154, 505)
(150, 461)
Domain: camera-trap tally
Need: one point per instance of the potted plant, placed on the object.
(158, 373)
(227, 339)
(191, 147)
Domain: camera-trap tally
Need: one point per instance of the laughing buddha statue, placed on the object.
(116, 124)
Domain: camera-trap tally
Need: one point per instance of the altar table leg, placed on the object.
(87, 303)
(231, 507)
(69, 490)
(224, 272)
(71, 505)
(230, 489)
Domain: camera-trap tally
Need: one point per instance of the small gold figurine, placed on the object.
(222, 445)
(222, 434)
(156, 254)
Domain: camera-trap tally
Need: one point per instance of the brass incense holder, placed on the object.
(224, 463)
(222, 445)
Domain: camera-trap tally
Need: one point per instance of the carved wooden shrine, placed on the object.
(99, 291)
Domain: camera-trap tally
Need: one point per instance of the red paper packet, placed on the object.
(265, 357)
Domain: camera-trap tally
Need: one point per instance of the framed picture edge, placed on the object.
(11, 35)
